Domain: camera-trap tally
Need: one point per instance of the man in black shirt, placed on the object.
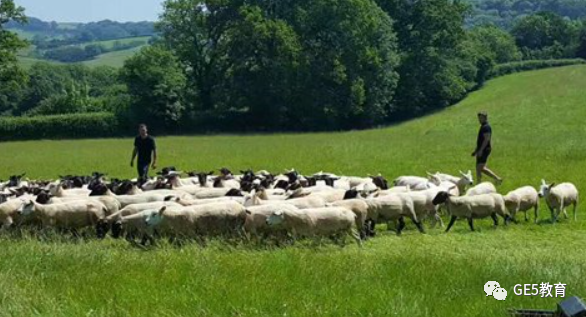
(145, 147)
(483, 149)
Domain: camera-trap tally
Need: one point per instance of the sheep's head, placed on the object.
(467, 178)
(293, 175)
(545, 189)
(330, 180)
(99, 190)
(117, 229)
(154, 217)
(14, 180)
(351, 194)
(202, 177)
(380, 182)
(233, 192)
(102, 228)
(440, 198)
(282, 184)
(43, 197)
(276, 218)
(26, 208)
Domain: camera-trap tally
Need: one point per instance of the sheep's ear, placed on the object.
(551, 186)
(162, 210)
(543, 182)
(428, 173)
(248, 212)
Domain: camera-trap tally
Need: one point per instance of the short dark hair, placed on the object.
(483, 113)
(142, 125)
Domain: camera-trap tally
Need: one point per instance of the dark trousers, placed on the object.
(143, 170)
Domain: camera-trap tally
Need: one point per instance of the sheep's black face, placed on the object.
(380, 182)
(293, 176)
(351, 194)
(440, 198)
(330, 181)
(246, 186)
(294, 186)
(100, 190)
(43, 198)
(102, 228)
(311, 181)
(282, 184)
(234, 193)
(124, 188)
(266, 183)
(116, 230)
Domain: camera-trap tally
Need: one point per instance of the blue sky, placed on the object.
(92, 10)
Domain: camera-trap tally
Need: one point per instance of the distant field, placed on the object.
(113, 59)
(110, 43)
(539, 132)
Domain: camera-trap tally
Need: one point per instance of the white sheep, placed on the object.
(318, 222)
(416, 182)
(360, 208)
(68, 216)
(462, 182)
(226, 218)
(521, 200)
(256, 219)
(310, 201)
(393, 208)
(473, 207)
(482, 188)
(559, 197)
(134, 225)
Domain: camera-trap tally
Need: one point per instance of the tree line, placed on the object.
(291, 65)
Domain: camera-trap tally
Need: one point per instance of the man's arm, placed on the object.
(154, 165)
(134, 151)
(484, 144)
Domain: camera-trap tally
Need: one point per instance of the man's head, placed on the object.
(142, 130)
(482, 117)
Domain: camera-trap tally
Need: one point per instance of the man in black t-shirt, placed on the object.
(146, 148)
(483, 149)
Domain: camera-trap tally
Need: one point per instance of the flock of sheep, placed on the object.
(260, 205)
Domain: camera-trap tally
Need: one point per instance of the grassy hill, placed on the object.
(113, 59)
(537, 120)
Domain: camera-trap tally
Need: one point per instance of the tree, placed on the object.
(350, 60)
(156, 82)
(432, 72)
(12, 78)
(581, 50)
(496, 42)
(263, 55)
(545, 32)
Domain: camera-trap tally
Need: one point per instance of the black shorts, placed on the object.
(143, 170)
(482, 159)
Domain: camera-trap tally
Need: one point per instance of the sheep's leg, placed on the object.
(553, 214)
(526, 218)
(356, 236)
(372, 228)
(452, 221)
(471, 223)
(400, 226)
(495, 219)
(575, 206)
(562, 209)
(418, 225)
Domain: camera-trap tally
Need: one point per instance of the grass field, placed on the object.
(112, 59)
(537, 118)
(110, 43)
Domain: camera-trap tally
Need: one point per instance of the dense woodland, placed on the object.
(292, 65)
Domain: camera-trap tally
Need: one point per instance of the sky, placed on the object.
(92, 10)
